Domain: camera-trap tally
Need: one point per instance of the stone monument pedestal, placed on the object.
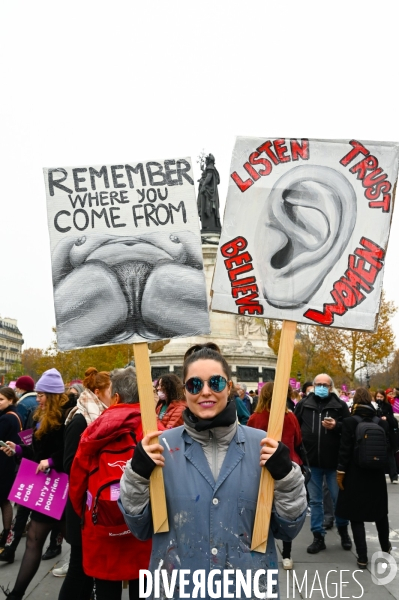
(242, 339)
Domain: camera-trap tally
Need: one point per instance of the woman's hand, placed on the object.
(268, 448)
(43, 466)
(10, 451)
(154, 451)
(383, 418)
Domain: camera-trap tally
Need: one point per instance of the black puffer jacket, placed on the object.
(321, 444)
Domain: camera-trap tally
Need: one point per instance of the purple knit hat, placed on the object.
(51, 382)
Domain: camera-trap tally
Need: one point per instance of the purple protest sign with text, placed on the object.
(395, 406)
(26, 436)
(45, 493)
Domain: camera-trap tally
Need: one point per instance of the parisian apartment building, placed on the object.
(11, 342)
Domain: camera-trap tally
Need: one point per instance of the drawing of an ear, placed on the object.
(304, 228)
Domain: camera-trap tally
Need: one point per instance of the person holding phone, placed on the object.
(47, 451)
(320, 415)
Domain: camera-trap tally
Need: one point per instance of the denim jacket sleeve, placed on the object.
(290, 504)
(134, 503)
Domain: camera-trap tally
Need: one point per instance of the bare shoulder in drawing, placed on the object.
(303, 230)
(111, 289)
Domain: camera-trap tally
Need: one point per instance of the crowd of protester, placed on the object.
(75, 426)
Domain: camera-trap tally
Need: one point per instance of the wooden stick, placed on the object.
(149, 421)
(276, 421)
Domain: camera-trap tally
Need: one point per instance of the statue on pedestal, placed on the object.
(251, 326)
(208, 197)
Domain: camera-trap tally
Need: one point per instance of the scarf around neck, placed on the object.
(225, 418)
(89, 406)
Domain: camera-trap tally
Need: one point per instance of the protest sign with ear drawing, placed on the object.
(304, 240)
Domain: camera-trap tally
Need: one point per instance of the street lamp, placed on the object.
(298, 376)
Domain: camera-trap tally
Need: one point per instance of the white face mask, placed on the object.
(18, 394)
(161, 395)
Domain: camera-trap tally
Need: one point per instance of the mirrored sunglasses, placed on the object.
(194, 385)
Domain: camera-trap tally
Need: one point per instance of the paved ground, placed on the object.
(315, 586)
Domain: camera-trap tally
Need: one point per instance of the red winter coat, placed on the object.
(291, 435)
(173, 417)
(121, 556)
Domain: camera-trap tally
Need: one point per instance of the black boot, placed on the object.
(328, 523)
(317, 544)
(362, 561)
(346, 542)
(11, 595)
(8, 555)
(52, 552)
(3, 537)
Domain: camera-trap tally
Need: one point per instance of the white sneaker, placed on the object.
(288, 563)
(395, 481)
(61, 571)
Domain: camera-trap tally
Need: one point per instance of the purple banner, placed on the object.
(395, 406)
(26, 436)
(46, 494)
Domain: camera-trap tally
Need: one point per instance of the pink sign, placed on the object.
(344, 388)
(45, 493)
(26, 436)
(115, 491)
(293, 382)
(260, 386)
(395, 406)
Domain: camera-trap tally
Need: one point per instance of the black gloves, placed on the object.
(279, 464)
(141, 463)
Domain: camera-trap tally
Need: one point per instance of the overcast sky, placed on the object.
(87, 82)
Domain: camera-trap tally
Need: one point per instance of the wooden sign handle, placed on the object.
(276, 421)
(149, 421)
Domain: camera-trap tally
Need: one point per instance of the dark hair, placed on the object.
(362, 396)
(9, 393)
(124, 383)
(209, 351)
(382, 393)
(306, 385)
(265, 397)
(173, 386)
(95, 380)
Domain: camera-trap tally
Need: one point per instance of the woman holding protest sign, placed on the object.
(10, 425)
(212, 467)
(47, 450)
